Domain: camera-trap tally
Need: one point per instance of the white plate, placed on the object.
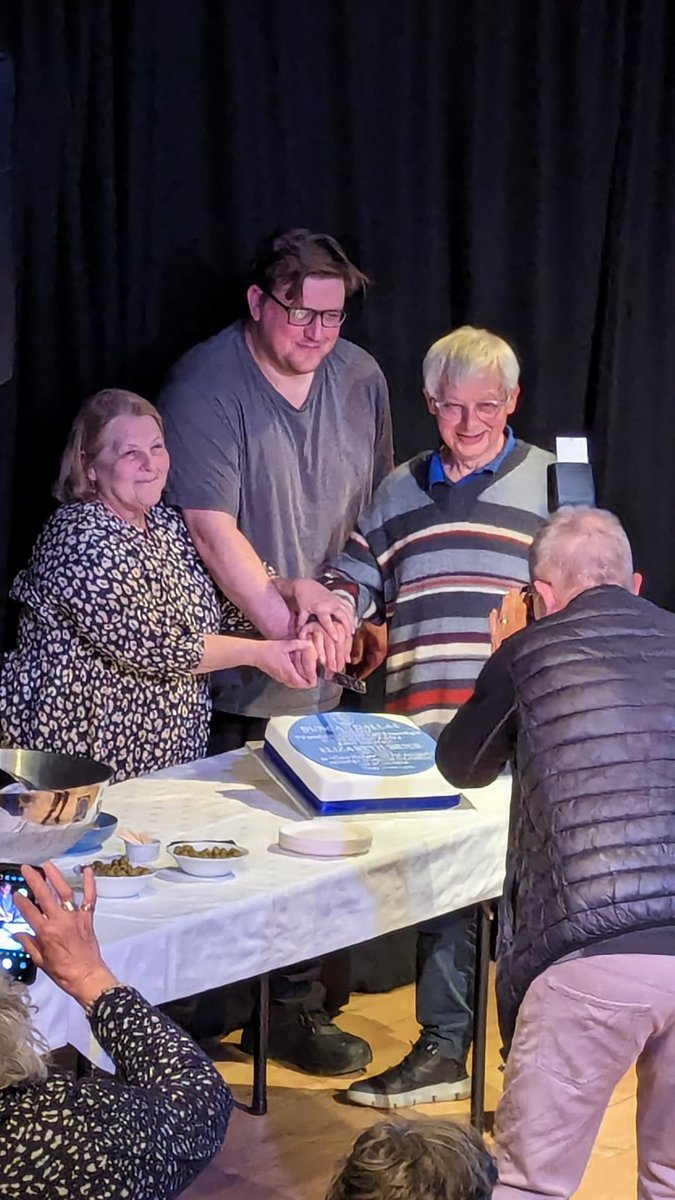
(326, 838)
(208, 867)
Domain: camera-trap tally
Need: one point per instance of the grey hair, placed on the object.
(421, 1159)
(466, 352)
(22, 1048)
(580, 548)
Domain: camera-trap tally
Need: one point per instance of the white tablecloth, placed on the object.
(185, 935)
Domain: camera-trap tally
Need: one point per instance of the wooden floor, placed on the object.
(290, 1154)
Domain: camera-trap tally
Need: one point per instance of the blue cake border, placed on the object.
(326, 807)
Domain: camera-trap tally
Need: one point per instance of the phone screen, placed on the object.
(14, 960)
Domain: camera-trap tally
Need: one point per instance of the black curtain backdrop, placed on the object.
(502, 162)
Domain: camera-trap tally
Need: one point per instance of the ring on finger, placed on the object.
(87, 906)
(68, 906)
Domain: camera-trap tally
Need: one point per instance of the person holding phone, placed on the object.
(581, 704)
(145, 1134)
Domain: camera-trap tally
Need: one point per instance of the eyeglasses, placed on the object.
(331, 318)
(487, 410)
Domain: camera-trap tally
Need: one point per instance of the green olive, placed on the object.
(188, 851)
(118, 868)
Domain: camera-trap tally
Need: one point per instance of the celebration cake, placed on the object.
(343, 762)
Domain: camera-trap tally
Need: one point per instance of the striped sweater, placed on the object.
(433, 560)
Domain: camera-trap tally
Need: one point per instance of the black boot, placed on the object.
(309, 1041)
(420, 1078)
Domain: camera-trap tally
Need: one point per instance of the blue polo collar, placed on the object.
(438, 475)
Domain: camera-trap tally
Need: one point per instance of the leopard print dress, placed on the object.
(143, 1135)
(112, 623)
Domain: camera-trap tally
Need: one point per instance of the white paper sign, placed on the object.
(571, 449)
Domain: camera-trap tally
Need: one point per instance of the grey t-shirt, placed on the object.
(295, 479)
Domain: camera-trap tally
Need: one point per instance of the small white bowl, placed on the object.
(119, 887)
(142, 852)
(208, 868)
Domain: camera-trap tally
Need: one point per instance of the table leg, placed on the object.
(261, 1019)
(480, 1005)
(82, 1066)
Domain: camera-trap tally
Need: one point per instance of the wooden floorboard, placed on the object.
(291, 1153)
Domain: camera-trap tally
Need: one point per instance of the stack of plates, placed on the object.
(326, 839)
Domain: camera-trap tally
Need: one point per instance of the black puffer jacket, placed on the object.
(584, 702)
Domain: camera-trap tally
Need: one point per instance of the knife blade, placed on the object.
(344, 681)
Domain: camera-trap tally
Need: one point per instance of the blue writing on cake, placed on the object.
(363, 744)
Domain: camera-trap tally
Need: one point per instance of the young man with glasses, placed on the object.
(446, 536)
(279, 431)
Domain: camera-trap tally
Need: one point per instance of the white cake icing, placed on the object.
(342, 761)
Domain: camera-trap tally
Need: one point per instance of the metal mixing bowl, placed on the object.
(45, 820)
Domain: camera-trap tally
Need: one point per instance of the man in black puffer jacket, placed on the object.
(583, 705)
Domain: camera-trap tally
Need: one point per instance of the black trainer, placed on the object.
(420, 1078)
(311, 1042)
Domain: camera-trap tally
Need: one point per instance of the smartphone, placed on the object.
(528, 597)
(14, 960)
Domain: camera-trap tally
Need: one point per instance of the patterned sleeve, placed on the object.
(170, 1099)
(357, 570)
(78, 576)
(356, 573)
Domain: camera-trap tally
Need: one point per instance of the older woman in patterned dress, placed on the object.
(143, 1135)
(119, 620)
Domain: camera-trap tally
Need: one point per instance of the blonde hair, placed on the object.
(419, 1159)
(465, 352)
(21, 1046)
(580, 548)
(86, 436)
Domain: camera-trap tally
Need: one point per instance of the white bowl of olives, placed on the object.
(117, 878)
(208, 858)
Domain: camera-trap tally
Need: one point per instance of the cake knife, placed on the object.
(344, 681)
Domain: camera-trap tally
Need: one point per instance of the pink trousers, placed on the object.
(582, 1025)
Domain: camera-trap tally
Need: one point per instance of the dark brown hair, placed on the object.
(86, 435)
(417, 1159)
(286, 259)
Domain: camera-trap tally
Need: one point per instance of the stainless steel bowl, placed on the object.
(44, 820)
